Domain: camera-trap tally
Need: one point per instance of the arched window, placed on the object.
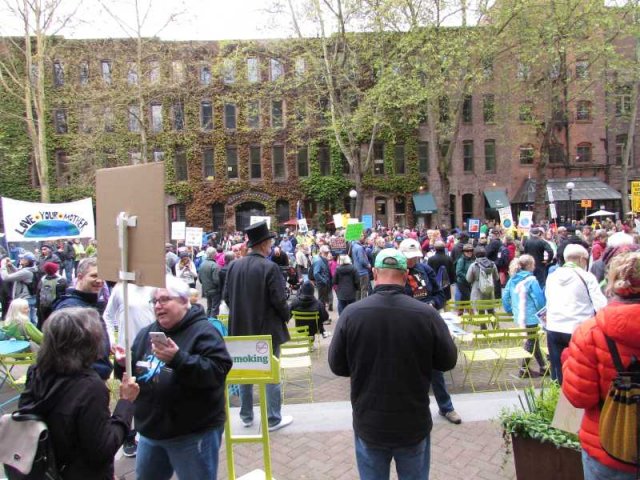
(527, 153)
(282, 211)
(217, 215)
(583, 152)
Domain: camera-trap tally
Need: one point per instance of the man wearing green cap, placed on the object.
(388, 344)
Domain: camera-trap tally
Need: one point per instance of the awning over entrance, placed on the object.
(586, 188)
(497, 198)
(424, 203)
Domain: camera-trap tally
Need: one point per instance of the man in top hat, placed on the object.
(254, 292)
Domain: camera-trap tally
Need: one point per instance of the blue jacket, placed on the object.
(321, 272)
(523, 297)
(422, 285)
(360, 258)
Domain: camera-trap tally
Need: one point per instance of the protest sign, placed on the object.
(178, 230)
(354, 231)
(193, 237)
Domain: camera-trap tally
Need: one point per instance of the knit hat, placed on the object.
(306, 290)
(624, 275)
(50, 268)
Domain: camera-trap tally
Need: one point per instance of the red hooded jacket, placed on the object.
(588, 369)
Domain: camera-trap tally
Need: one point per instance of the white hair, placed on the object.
(573, 251)
(210, 252)
(619, 238)
(176, 287)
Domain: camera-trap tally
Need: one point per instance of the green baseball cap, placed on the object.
(391, 258)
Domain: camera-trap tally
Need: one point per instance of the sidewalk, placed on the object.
(319, 443)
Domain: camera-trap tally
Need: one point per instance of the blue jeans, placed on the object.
(594, 470)
(193, 457)
(557, 342)
(68, 270)
(342, 304)
(412, 463)
(33, 310)
(274, 400)
(440, 391)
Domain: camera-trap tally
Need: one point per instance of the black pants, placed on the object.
(213, 304)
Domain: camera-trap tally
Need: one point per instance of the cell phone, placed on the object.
(158, 337)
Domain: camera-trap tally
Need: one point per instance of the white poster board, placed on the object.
(250, 355)
(525, 220)
(35, 222)
(552, 211)
(193, 237)
(337, 220)
(178, 230)
(302, 225)
(506, 217)
(256, 219)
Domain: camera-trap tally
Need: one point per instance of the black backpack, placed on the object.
(35, 280)
(502, 257)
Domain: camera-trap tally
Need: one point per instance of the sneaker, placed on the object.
(286, 420)
(328, 322)
(247, 423)
(130, 448)
(326, 334)
(452, 416)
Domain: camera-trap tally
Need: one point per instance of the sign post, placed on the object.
(635, 196)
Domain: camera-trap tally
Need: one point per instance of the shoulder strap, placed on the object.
(585, 286)
(615, 355)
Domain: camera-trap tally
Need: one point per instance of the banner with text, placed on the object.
(635, 196)
(506, 217)
(193, 237)
(34, 222)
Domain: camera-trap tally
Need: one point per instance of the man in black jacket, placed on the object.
(180, 412)
(441, 259)
(388, 344)
(254, 292)
(541, 252)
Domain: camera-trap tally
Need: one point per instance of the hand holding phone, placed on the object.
(158, 337)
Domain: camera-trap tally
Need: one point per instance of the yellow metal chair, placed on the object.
(308, 319)
(503, 319)
(224, 319)
(487, 306)
(7, 373)
(481, 357)
(473, 321)
(511, 350)
(295, 371)
(463, 306)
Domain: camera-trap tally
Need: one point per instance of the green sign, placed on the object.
(354, 231)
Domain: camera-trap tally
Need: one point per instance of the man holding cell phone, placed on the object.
(181, 364)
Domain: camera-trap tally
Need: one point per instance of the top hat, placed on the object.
(258, 233)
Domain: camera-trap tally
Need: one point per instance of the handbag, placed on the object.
(26, 450)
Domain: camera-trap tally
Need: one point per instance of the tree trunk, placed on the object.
(539, 206)
(628, 148)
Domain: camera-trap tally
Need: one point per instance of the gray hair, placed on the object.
(85, 265)
(211, 252)
(176, 287)
(573, 252)
(619, 238)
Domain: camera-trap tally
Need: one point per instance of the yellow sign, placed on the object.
(586, 203)
(635, 196)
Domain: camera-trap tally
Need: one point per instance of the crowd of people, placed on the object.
(387, 287)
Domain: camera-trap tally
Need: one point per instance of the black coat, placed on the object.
(86, 436)
(310, 304)
(254, 292)
(442, 259)
(347, 282)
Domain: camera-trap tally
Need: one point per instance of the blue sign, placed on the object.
(367, 220)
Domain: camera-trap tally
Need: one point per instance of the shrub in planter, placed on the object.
(540, 451)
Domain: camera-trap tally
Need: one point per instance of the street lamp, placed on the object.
(353, 194)
(570, 186)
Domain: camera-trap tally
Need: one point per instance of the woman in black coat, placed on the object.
(73, 400)
(441, 259)
(346, 282)
(307, 302)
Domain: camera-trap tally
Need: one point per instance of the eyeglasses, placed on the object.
(161, 300)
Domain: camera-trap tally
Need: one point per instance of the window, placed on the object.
(276, 69)
(205, 75)
(180, 165)
(177, 71)
(378, 158)
(467, 155)
(105, 66)
(399, 160)
(490, 155)
(84, 73)
(134, 118)
(282, 211)
(253, 70)
(156, 117)
(135, 158)
(556, 153)
(526, 155)
(524, 71)
(206, 115)
(154, 72)
(489, 108)
(582, 69)
(132, 73)
(177, 112)
(228, 72)
(300, 111)
(230, 116)
(177, 212)
(303, 162)
(525, 112)
(324, 162)
(60, 120)
(623, 100)
(255, 164)
(158, 155)
(583, 152)
(277, 153)
(443, 104)
(85, 119)
(62, 168)
(277, 114)
(58, 74)
(217, 211)
(423, 157)
(109, 120)
(583, 111)
(300, 67)
(467, 109)
(621, 142)
(208, 167)
(487, 67)
(232, 162)
(253, 114)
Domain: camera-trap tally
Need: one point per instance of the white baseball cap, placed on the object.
(410, 248)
